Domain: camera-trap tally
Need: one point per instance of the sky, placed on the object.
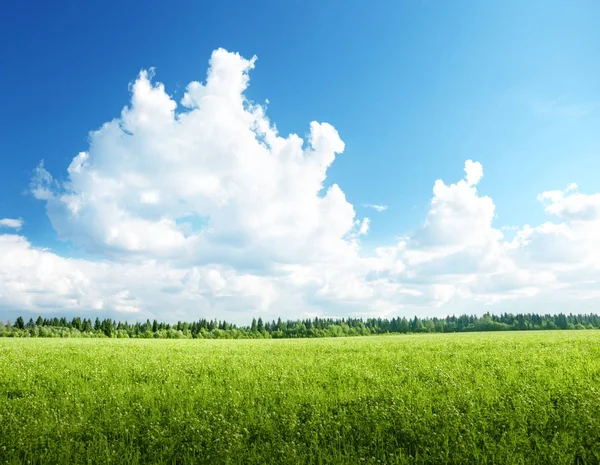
(297, 159)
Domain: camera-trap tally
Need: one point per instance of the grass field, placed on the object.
(463, 398)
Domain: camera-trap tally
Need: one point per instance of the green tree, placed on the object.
(416, 325)
(429, 326)
(107, 327)
(76, 323)
(561, 321)
(19, 323)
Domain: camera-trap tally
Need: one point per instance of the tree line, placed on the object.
(304, 328)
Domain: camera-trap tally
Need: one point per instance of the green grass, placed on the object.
(464, 398)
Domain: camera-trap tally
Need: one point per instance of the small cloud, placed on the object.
(11, 223)
(364, 227)
(379, 208)
(571, 187)
(473, 171)
(42, 182)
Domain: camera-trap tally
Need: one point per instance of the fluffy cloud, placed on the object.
(37, 279)
(202, 208)
(11, 223)
(218, 159)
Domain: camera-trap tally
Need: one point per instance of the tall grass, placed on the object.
(463, 398)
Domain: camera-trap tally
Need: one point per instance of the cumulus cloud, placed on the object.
(458, 218)
(11, 223)
(201, 208)
(474, 172)
(37, 279)
(571, 205)
(219, 158)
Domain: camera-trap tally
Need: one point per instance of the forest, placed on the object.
(307, 328)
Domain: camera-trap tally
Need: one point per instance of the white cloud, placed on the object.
(379, 208)
(37, 279)
(221, 159)
(11, 223)
(203, 208)
(474, 172)
(458, 217)
(364, 226)
(571, 205)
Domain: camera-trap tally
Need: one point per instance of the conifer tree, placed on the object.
(19, 323)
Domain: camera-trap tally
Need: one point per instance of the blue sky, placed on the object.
(413, 88)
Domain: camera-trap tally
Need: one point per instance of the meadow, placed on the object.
(502, 398)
